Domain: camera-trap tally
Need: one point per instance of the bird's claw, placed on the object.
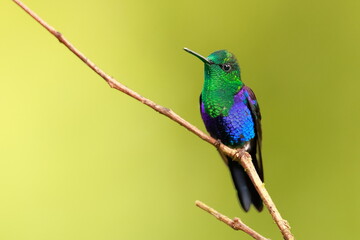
(238, 154)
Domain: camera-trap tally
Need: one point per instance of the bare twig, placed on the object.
(245, 161)
(236, 224)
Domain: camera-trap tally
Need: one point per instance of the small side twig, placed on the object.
(236, 223)
(245, 159)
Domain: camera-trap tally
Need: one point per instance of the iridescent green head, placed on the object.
(222, 82)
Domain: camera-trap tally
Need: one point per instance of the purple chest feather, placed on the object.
(237, 127)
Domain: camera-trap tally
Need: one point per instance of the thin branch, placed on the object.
(236, 224)
(284, 226)
(245, 161)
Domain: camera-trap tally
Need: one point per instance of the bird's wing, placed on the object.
(256, 142)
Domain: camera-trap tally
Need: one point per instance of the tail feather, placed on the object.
(245, 189)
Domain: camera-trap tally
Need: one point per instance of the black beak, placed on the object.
(204, 59)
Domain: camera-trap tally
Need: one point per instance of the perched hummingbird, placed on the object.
(231, 114)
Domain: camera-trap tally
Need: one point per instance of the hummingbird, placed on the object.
(231, 114)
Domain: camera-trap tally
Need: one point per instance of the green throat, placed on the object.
(219, 90)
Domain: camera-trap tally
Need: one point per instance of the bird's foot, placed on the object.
(238, 154)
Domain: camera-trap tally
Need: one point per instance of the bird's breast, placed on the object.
(236, 128)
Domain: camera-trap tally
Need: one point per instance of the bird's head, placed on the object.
(221, 63)
(222, 81)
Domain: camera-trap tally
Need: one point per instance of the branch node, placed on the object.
(236, 223)
(166, 110)
(58, 35)
(217, 144)
(286, 223)
(111, 84)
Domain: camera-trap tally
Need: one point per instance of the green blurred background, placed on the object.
(79, 160)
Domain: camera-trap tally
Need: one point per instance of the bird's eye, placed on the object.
(226, 67)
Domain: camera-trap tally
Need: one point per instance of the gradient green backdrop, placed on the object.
(79, 160)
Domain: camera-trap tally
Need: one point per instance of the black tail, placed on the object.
(246, 191)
